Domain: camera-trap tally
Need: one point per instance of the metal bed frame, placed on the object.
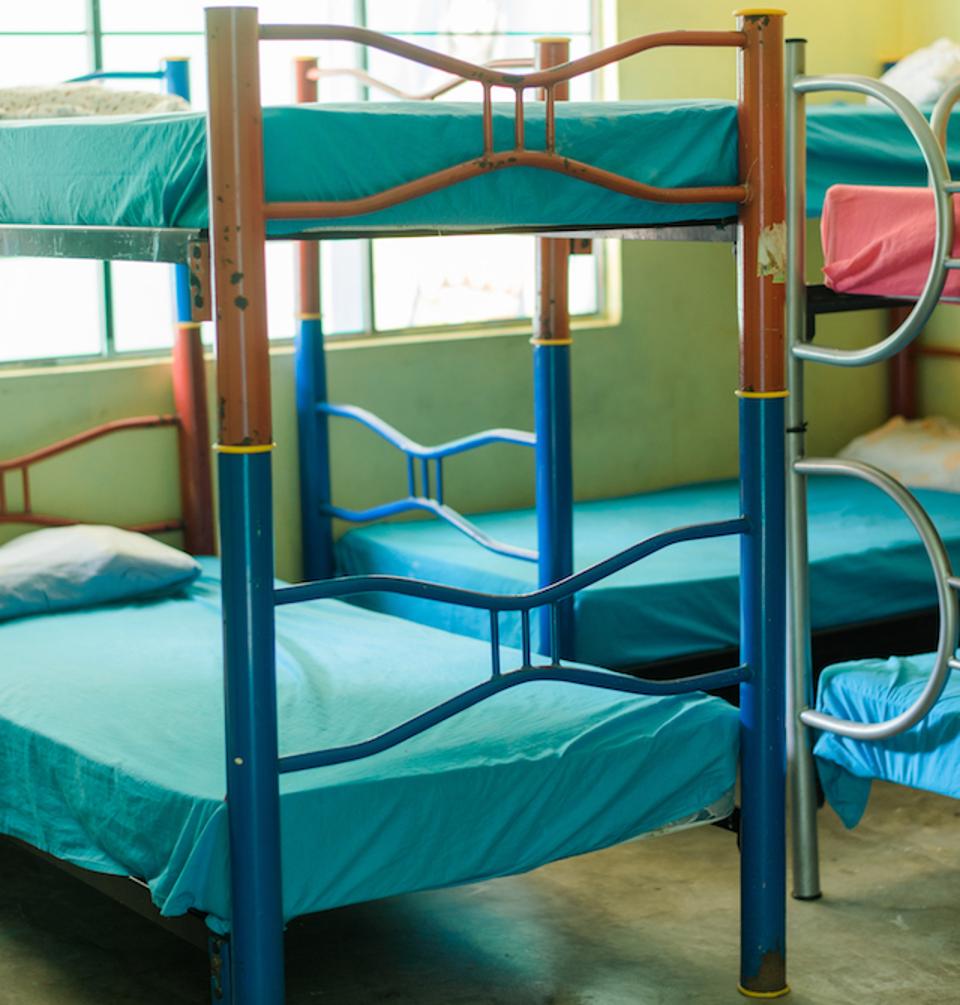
(247, 967)
(552, 440)
(189, 383)
(238, 222)
(802, 719)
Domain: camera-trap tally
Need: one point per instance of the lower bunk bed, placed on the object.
(113, 755)
(867, 564)
(927, 756)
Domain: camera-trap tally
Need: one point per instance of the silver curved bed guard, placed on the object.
(941, 186)
(946, 599)
(802, 718)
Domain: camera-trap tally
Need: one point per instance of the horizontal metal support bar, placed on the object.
(952, 263)
(173, 244)
(414, 449)
(440, 510)
(346, 586)
(118, 75)
(133, 244)
(549, 77)
(952, 187)
(603, 679)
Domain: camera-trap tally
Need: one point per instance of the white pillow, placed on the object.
(68, 100)
(921, 453)
(925, 74)
(82, 566)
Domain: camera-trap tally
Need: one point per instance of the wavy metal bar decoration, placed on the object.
(376, 83)
(423, 500)
(604, 679)
(492, 160)
(527, 673)
(346, 586)
(23, 463)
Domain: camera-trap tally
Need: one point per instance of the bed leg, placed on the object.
(762, 701)
(218, 953)
(313, 444)
(763, 597)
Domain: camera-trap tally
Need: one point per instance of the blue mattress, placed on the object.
(924, 757)
(150, 171)
(111, 755)
(867, 563)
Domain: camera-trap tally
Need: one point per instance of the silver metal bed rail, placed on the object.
(946, 599)
(942, 188)
(802, 772)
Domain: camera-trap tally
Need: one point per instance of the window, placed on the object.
(368, 286)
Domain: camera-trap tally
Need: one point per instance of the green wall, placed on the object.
(653, 394)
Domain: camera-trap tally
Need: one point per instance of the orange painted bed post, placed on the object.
(310, 366)
(190, 399)
(308, 251)
(236, 200)
(551, 398)
(761, 272)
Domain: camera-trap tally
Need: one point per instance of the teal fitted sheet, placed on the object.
(867, 563)
(927, 756)
(111, 754)
(150, 171)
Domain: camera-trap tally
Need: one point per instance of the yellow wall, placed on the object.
(652, 396)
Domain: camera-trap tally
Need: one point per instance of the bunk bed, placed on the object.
(892, 719)
(676, 613)
(324, 718)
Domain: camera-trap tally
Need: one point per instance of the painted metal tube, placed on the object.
(554, 477)
(800, 765)
(314, 450)
(310, 367)
(498, 682)
(760, 114)
(347, 586)
(235, 165)
(552, 403)
(250, 699)
(762, 700)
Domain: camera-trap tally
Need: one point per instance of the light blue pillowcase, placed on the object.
(82, 566)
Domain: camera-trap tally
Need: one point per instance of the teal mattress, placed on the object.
(150, 171)
(866, 563)
(924, 757)
(111, 755)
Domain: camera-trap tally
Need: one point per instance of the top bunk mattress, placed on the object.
(150, 171)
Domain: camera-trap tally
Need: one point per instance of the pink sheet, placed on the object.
(879, 240)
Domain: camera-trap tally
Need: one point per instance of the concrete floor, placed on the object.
(652, 923)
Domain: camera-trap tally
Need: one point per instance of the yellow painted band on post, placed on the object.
(189, 325)
(309, 317)
(551, 341)
(255, 448)
(762, 394)
(176, 59)
(764, 994)
(760, 12)
(551, 38)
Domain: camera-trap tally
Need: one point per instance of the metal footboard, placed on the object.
(806, 879)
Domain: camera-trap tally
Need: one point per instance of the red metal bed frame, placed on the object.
(191, 423)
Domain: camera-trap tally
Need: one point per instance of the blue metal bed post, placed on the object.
(762, 485)
(311, 382)
(237, 232)
(552, 404)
